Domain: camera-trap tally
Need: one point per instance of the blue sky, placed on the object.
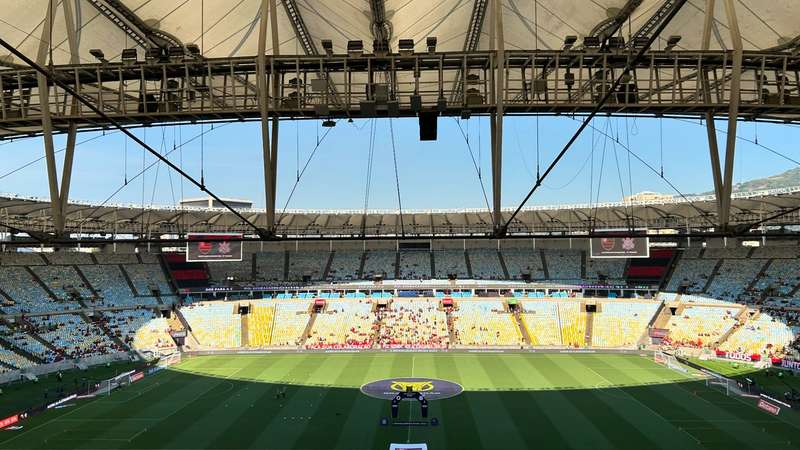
(433, 175)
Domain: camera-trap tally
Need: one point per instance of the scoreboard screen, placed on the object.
(210, 247)
(619, 247)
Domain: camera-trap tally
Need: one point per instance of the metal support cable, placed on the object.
(612, 90)
(69, 90)
(397, 178)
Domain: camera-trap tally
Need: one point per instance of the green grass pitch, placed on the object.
(510, 400)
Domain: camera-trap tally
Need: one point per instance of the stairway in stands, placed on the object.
(469, 265)
(245, 330)
(545, 271)
(42, 284)
(312, 317)
(713, 274)
(102, 325)
(503, 265)
(128, 280)
(589, 326)
(526, 337)
(328, 265)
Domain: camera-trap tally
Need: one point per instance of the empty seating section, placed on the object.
(68, 258)
(154, 336)
(345, 265)
(111, 287)
(731, 252)
(62, 280)
(291, 319)
(700, 326)
(540, 320)
(307, 264)
(483, 323)
(21, 259)
(413, 324)
(27, 343)
(733, 276)
(520, 262)
(763, 336)
(239, 270)
(125, 324)
(702, 299)
(269, 266)
(693, 273)
(450, 262)
(379, 262)
(149, 258)
(147, 276)
(344, 324)
(612, 269)
(73, 336)
(573, 324)
(260, 321)
(777, 252)
(214, 324)
(415, 265)
(27, 294)
(486, 264)
(783, 275)
(116, 258)
(13, 359)
(563, 265)
(621, 324)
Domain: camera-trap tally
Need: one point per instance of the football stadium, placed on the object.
(399, 224)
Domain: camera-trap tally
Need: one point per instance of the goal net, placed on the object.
(668, 360)
(106, 386)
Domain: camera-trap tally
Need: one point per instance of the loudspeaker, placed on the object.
(427, 126)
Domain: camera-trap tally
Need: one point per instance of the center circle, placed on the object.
(431, 388)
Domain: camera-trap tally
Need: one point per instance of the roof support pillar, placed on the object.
(72, 130)
(711, 130)
(263, 104)
(47, 123)
(496, 125)
(733, 112)
(273, 18)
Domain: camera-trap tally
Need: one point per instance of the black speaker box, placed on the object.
(427, 126)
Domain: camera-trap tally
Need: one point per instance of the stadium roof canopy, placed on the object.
(229, 28)
(690, 214)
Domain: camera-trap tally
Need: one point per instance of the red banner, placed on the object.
(769, 407)
(8, 421)
(137, 376)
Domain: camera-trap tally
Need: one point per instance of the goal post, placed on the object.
(669, 360)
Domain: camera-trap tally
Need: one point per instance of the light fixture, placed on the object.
(129, 55)
(328, 123)
(97, 53)
(153, 54)
(430, 43)
(591, 41)
(355, 48)
(193, 49)
(569, 41)
(327, 45)
(672, 41)
(405, 46)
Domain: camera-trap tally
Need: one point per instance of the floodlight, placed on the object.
(97, 53)
(129, 55)
(616, 42)
(355, 48)
(430, 43)
(591, 41)
(672, 41)
(193, 49)
(405, 46)
(327, 45)
(569, 41)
